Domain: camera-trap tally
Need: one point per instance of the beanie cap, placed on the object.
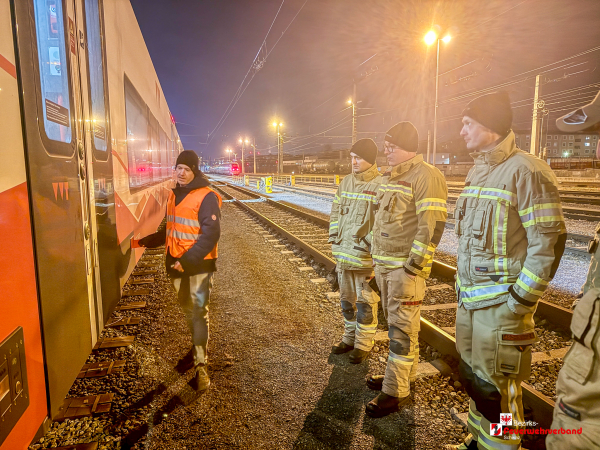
(404, 135)
(190, 159)
(493, 111)
(366, 149)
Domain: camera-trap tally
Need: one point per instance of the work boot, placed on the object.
(342, 347)
(202, 380)
(375, 382)
(468, 444)
(384, 404)
(357, 356)
(185, 363)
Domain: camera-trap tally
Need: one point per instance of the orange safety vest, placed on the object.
(183, 228)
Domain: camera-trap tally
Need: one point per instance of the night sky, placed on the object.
(202, 50)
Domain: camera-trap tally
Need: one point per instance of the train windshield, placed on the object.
(235, 169)
(54, 74)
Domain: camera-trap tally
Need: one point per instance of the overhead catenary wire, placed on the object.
(242, 88)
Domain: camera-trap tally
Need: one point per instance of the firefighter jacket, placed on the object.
(351, 219)
(510, 227)
(410, 218)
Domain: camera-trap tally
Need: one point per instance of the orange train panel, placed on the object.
(19, 307)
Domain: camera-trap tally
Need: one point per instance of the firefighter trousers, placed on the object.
(495, 350)
(359, 308)
(401, 298)
(578, 386)
(193, 293)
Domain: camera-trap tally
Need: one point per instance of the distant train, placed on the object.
(573, 163)
(326, 166)
(231, 168)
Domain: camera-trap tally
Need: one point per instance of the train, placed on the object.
(230, 168)
(328, 166)
(88, 148)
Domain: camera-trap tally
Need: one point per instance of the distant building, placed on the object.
(563, 145)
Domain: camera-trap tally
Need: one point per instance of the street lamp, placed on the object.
(430, 38)
(278, 126)
(243, 141)
(229, 153)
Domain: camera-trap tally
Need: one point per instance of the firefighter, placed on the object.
(578, 386)
(191, 238)
(409, 222)
(511, 236)
(350, 236)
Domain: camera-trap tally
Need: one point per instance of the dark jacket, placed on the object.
(209, 217)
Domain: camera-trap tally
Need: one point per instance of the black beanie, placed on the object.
(493, 111)
(366, 149)
(190, 159)
(404, 135)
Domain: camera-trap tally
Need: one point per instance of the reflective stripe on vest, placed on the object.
(183, 228)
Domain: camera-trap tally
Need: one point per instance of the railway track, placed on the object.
(309, 233)
(580, 250)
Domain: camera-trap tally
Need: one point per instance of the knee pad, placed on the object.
(348, 310)
(399, 341)
(364, 314)
(465, 374)
(487, 398)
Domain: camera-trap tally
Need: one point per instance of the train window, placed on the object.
(164, 156)
(96, 76)
(54, 73)
(139, 153)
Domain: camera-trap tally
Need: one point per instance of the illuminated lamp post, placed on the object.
(430, 38)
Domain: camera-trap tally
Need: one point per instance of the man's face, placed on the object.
(359, 165)
(396, 155)
(184, 174)
(476, 136)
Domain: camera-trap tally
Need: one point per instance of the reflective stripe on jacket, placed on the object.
(350, 221)
(411, 216)
(183, 227)
(508, 221)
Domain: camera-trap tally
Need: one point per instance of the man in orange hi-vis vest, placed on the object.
(190, 238)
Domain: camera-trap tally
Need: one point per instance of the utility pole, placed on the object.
(437, 84)
(535, 123)
(243, 165)
(428, 145)
(354, 115)
(254, 147)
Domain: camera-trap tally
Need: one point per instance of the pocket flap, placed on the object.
(583, 315)
(579, 362)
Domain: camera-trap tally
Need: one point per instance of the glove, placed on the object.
(335, 285)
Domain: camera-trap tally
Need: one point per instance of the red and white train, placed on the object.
(88, 144)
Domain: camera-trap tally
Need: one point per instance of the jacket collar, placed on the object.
(406, 166)
(367, 175)
(498, 153)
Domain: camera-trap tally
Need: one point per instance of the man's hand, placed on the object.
(177, 266)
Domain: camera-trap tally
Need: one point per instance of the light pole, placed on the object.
(352, 102)
(229, 153)
(243, 141)
(430, 38)
(254, 153)
(278, 126)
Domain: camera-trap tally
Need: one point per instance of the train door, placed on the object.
(91, 115)
(49, 44)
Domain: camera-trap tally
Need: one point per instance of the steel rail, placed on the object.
(542, 407)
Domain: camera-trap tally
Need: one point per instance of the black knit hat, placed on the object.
(190, 159)
(493, 111)
(404, 135)
(366, 149)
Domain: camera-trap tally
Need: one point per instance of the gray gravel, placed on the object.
(544, 375)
